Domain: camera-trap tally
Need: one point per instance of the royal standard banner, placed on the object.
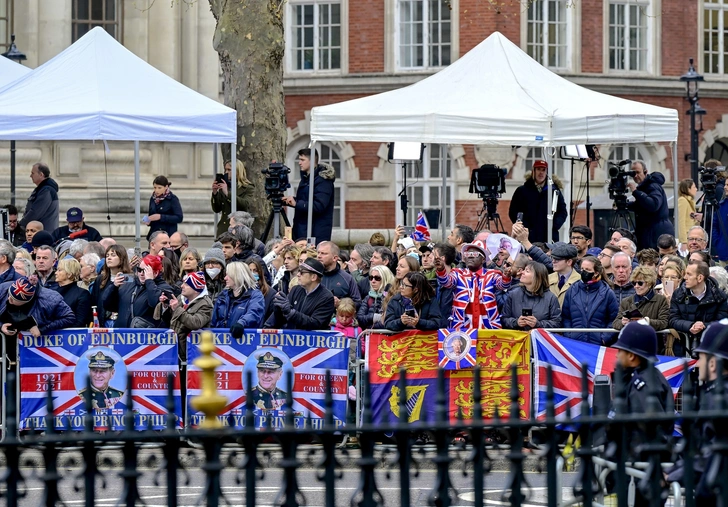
(270, 357)
(66, 359)
(418, 353)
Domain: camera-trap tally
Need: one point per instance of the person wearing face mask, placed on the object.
(179, 242)
(256, 267)
(590, 304)
(135, 300)
(214, 268)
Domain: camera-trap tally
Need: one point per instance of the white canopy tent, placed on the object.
(496, 95)
(96, 89)
(11, 71)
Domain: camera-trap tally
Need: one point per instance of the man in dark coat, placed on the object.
(309, 306)
(697, 302)
(42, 205)
(339, 282)
(652, 216)
(17, 233)
(323, 199)
(7, 257)
(531, 199)
(75, 224)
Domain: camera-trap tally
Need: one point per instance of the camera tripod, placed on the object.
(489, 214)
(274, 218)
(622, 218)
(710, 211)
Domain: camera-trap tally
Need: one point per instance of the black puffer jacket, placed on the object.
(652, 216)
(134, 299)
(370, 306)
(533, 203)
(323, 204)
(686, 310)
(43, 206)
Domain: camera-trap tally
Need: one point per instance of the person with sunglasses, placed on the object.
(414, 307)
(654, 308)
(370, 312)
(474, 289)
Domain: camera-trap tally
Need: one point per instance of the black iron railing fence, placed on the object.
(654, 450)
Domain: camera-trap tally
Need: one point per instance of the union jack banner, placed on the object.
(457, 349)
(422, 230)
(271, 359)
(566, 357)
(417, 352)
(67, 358)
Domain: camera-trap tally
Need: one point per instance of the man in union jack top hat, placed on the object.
(266, 396)
(101, 371)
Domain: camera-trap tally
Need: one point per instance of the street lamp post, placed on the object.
(18, 57)
(691, 79)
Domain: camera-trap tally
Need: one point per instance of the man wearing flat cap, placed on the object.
(563, 257)
(101, 371)
(266, 396)
(309, 305)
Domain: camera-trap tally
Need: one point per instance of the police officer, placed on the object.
(713, 345)
(637, 346)
(266, 396)
(101, 371)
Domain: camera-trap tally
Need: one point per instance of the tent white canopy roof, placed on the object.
(495, 94)
(97, 89)
(11, 71)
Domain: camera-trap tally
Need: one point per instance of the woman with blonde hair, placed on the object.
(68, 273)
(687, 216)
(221, 201)
(653, 307)
(370, 312)
(241, 305)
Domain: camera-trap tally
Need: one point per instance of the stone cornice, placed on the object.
(367, 84)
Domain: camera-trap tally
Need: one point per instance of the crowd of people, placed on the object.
(239, 283)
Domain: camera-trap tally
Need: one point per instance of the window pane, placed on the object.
(547, 32)
(82, 9)
(97, 10)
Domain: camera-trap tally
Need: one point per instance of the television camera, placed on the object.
(489, 183)
(276, 183)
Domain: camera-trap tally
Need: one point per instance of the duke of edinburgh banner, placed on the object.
(269, 355)
(67, 358)
(417, 352)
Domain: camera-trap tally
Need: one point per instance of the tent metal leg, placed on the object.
(311, 176)
(674, 187)
(234, 178)
(137, 200)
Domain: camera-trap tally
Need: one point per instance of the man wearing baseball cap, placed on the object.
(76, 224)
(309, 305)
(474, 302)
(531, 199)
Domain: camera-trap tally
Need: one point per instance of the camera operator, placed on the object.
(652, 216)
(531, 199)
(323, 199)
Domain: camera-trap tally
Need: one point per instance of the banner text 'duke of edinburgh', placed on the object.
(68, 358)
(270, 356)
(417, 352)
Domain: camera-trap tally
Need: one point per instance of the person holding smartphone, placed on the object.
(415, 307)
(645, 303)
(221, 200)
(531, 304)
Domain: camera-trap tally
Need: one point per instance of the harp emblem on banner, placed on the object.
(415, 398)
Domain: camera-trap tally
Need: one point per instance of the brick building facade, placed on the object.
(636, 49)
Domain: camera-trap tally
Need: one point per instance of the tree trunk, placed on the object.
(249, 40)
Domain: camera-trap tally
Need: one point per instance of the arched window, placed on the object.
(424, 184)
(718, 150)
(327, 155)
(618, 153)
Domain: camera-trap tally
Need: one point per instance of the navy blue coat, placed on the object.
(527, 199)
(652, 216)
(590, 306)
(43, 206)
(171, 214)
(134, 299)
(323, 204)
(9, 275)
(49, 309)
(429, 313)
(248, 310)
